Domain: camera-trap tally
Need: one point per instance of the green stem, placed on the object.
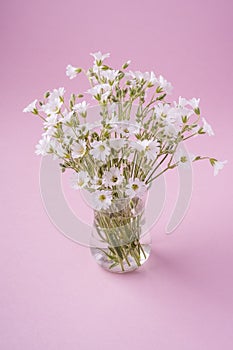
(163, 159)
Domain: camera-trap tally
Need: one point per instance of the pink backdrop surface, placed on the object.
(52, 294)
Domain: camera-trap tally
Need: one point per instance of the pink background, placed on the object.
(52, 294)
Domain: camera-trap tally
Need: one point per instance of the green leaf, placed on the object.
(35, 111)
(161, 97)
(105, 67)
(121, 75)
(172, 166)
(47, 94)
(200, 131)
(213, 161)
(185, 128)
(126, 65)
(159, 89)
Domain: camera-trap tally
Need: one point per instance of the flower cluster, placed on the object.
(138, 130)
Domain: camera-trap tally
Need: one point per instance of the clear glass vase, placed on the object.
(119, 242)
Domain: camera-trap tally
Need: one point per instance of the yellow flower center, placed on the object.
(81, 150)
(80, 183)
(101, 148)
(183, 159)
(114, 179)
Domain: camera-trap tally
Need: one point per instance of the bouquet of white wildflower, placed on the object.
(118, 157)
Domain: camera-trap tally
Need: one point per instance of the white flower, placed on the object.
(68, 132)
(110, 74)
(66, 116)
(105, 96)
(112, 177)
(135, 188)
(218, 166)
(182, 102)
(152, 79)
(79, 180)
(89, 126)
(207, 128)
(96, 183)
(95, 90)
(162, 109)
(100, 89)
(117, 144)
(126, 129)
(178, 112)
(43, 146)
(99, 57)
(167, 114)
(79, 149)
(52, 107)
(182, 158)
(99, 150)
(71, 71)
(170, 131)
(150, 147)
(56, 93)
(104, 87)
(58, 150)
(102, 199)
(164, 85)
(55, 101)
(194, 103)
(95, 69)
(51, 121)
(81, 108)
(148, 77)
(31, 107)
(132, 82)
(50, 131)
(139, 76)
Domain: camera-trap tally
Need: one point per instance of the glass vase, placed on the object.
(119, 241)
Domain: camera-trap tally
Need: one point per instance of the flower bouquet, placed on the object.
(134, 140)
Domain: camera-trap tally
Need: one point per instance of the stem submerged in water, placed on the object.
(121, 231)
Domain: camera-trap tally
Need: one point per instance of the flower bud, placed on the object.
(126, 65)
